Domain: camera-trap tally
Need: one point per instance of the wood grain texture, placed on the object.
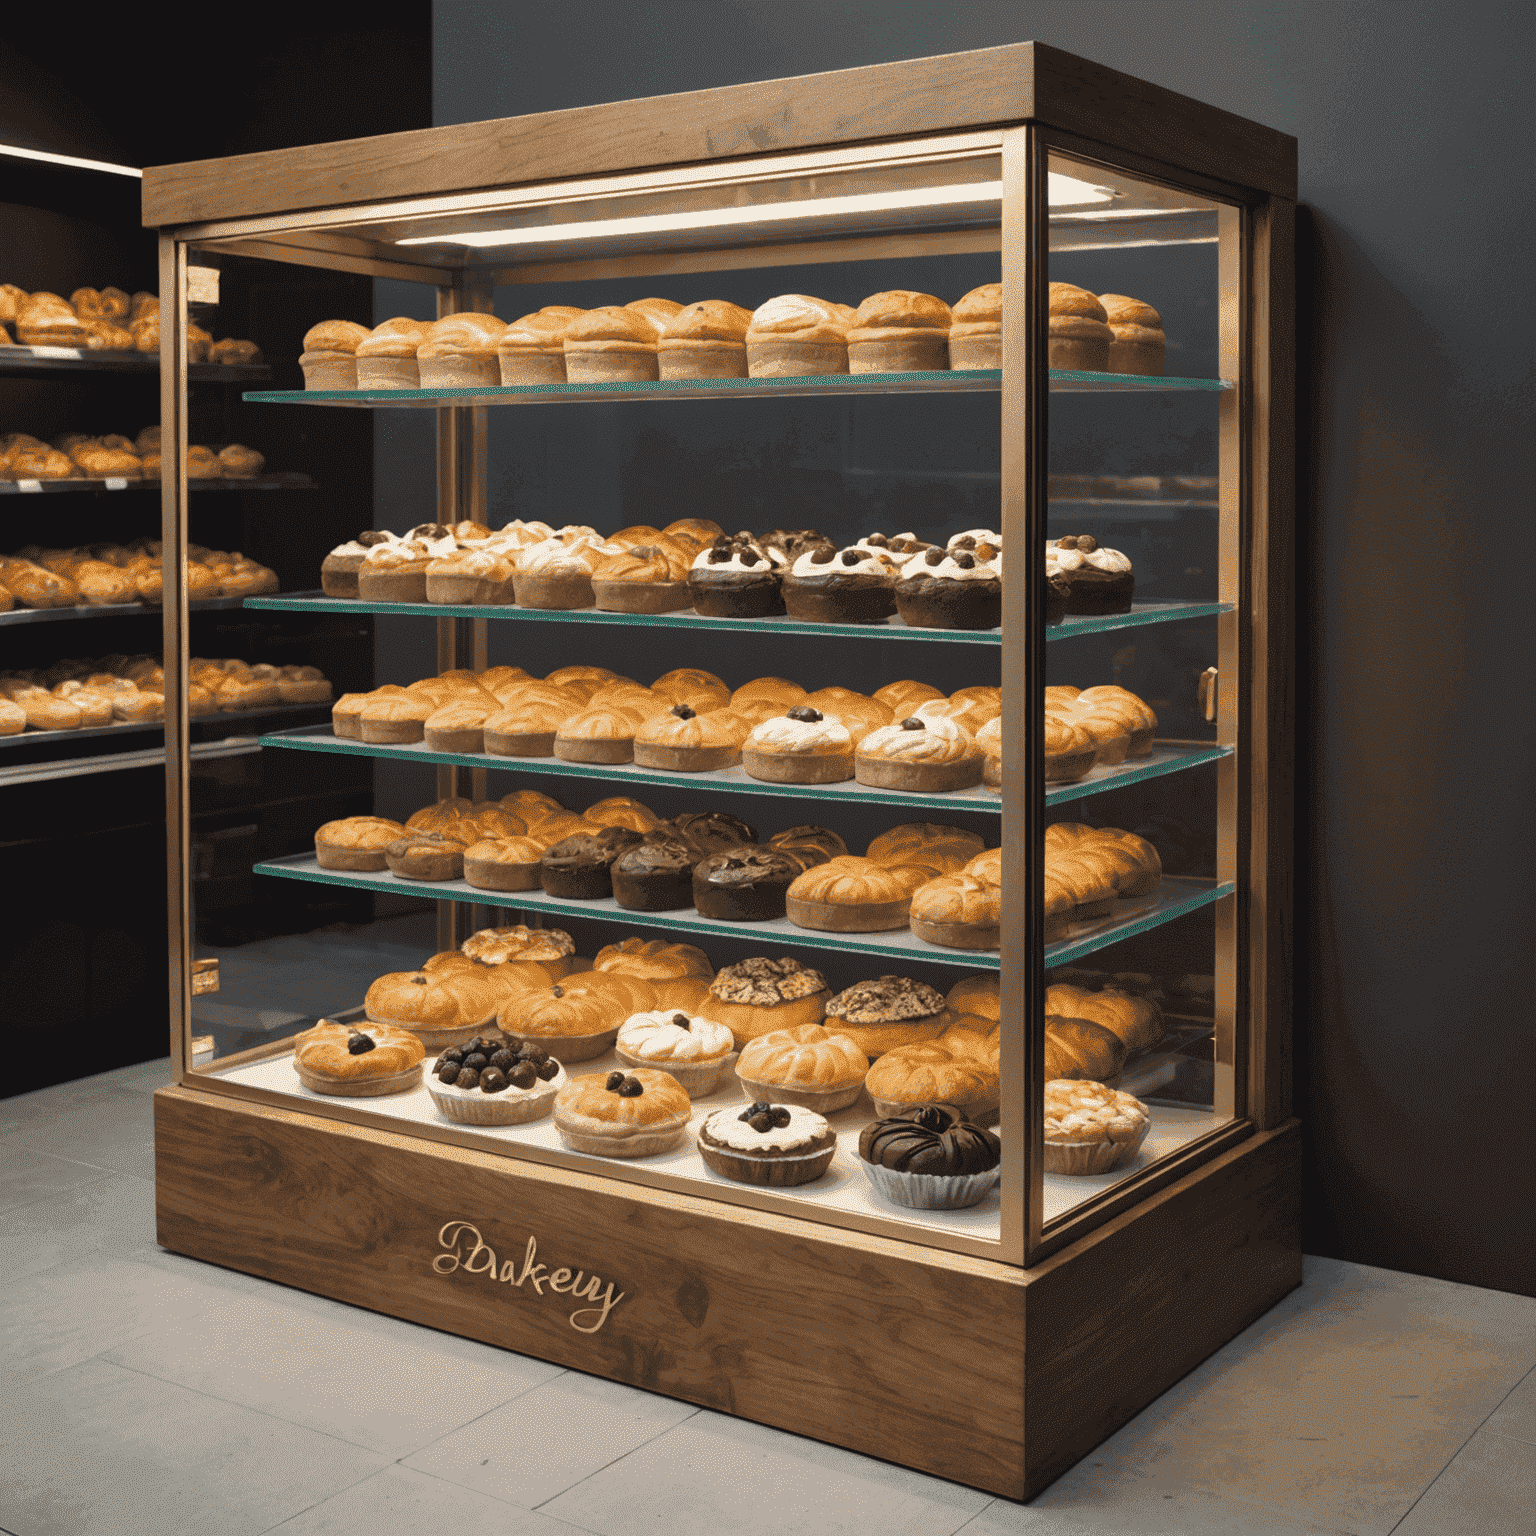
(905, 99)
(831, 1334)
(1121, 1315)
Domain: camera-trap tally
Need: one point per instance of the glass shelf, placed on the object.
(1168, 757)
(892, 629)
(1175, 897)
(108, 611)
(948, 381)
(289, 481)
(22, 362)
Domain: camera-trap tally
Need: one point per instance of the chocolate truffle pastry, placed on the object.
(696, 1051)
(707, 340)
(943, 849)
(852, 895)
(656, 875)
(926, 755)
(386, 356)
(619, 1114)
(503, 864)
(1097, 580)
(547, 946)
(683, 741)
(935, 1072)
(959, 911)
(578, 1017)
(580, 868)
(715, 831)
(644, 578)
(356, 842)
(735, 578)
(426, 856)
(810, 845)
(440, 1007)
(338, 571)
(956, 589)
(459, 351)
(758, 996)
(880, 1015)
(976, 329)
(532, 349)
(774, 1145)
(850, 586)
(1079, 336)
(1090, 1128)
(1138, 342)
(795, 335)
(900, 548)
(899, 332)
(614, 344)
(357, 1063)
(802, 746)
(329, 359)
(501, 1083)
(804, 1064)
(744, 884)
(929, 1157)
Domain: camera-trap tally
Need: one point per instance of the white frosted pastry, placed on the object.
(727, 1127)
(696, 1052)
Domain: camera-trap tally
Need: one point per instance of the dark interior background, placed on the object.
(1416, 468)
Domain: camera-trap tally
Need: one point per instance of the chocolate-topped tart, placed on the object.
(1098, 580)
(777, 1145)
(848, 586)
(811, 845)
(736, 578)
(656, 874)
(744, 885)
(579, 868)
(952, 589)
(930, 1158)
(714, 831)
(490, 1080)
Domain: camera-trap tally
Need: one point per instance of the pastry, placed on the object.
(234, 353)
(976, 329)
(622, 811)
(46, 320)
(459, 352)
(1070, 751)
(1098, 580)
(775, 1145)
(1082, 1048)
(959, 911)
(799, 747)
(503, 864)
(355, 842)
(924, 755)
(552, 948)
(899, 332)
(644, 578)
(611, 345)
(683, 741)
(930, 1158)
(696, 1051)
(577, 1017)
(959, 589)
(397, 572)
(809, 845)
(1137, 1022)
(386, 356)
(441, 1007)
(458, 727)
(598, 734)
(1129, 862)
(1138, 341)
(735, 578)
(903, 697)
(1079, 338)
(1090, 1128)
(1109, 702)
(426, 856)
(329, 360)
(707, 340)
(758, 996)
(472, 577)
(943, 849)
(357, 1063)
(395, 719)
(786, 545)
(880, 1015)
(850, 586)
(656, 874)
(697, 531)
(701, 690)
(935, 1072)
(498, 1084)
(853, 895)
(900, 549)
(795, 335)
(556, 573)
(653, 960)
(579, 868)
(803, 1064)
(744, 884)
(635, 1114)
(532, 349)
(338, 571)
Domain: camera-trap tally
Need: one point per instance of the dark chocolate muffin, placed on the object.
(1098, 580)
(952, 589)
(811, 845)
(850, 586)
(744, 885)
(715, 831)
(736, 578)
(580, 867)
(657, 874)
(930, 1138)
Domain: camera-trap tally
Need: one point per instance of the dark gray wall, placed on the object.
(1414, 1004)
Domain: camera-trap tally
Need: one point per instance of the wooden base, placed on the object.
(837, 1335)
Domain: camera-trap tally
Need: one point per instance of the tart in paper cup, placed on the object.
(1079, 1157)
(932, 1191)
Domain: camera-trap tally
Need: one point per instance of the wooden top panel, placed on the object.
(908, 98)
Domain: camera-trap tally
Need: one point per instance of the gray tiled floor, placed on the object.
(148, 1392)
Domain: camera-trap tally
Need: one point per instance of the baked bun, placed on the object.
(356, 842)
(804, 1064)
(612, 344)
(577, 1017)
(357, 1063)
(329, 360)
(619, 1114)
(1081, 1048)
(974, 1003)
(1139, 340)
(46, 320)
(976, 329)
(1136, 1021)
(552, 947)
(622, 811)
(899, 331)
(433, 1004)
(880, 1015)
(757, 996)
(943, 849)
(794, 335)
(958, 911)
(701, 690)
(386, 356)
(707, 340)
(503, 863)
(853, 895)
(653, 960)
(935, 1072)
(1079, 337)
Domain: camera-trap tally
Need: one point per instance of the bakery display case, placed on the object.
(733, 912)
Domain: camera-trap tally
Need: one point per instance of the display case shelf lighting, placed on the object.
(74, 162)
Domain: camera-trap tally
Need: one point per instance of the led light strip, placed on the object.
(15, 151)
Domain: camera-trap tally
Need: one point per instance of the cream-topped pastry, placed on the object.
(752, 558)
(1060, 561)
(763, 1143)
(898, 548)
(666, 1035)
(785, 733)
(957, 565)
(794, 1127)
(928, 740)
(976, 536)
(1097, 580)
(844, 562)
(736, 577)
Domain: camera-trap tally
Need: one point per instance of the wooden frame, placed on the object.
(237, 1166)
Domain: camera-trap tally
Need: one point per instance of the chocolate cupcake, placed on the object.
(744, 885)
(952, 589)
(790, 543)
(580, 868)
(656, 875)
(900, 547)
(736, 578)
(850, 586)
(930, 1158)
(1098, 580)
(715, 831)
(811, 845)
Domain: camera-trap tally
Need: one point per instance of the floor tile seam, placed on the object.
(1504, 1434)
(458, 1428)
(649, 1440)
(74, 1162)
(334, 1494)
(437, 1477)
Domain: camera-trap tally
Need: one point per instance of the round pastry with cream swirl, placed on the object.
(952, 589)
(922, 753)
(845, 586)
(696, 1051)
(557, 573)
(1097, 580)
(736, 578)
(802, 746)
(778, 1145)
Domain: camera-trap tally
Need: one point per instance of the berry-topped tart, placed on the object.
(358, 1063)
(491, 1081)
(622, 1114)
(773, 1144)
(930, 1157)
